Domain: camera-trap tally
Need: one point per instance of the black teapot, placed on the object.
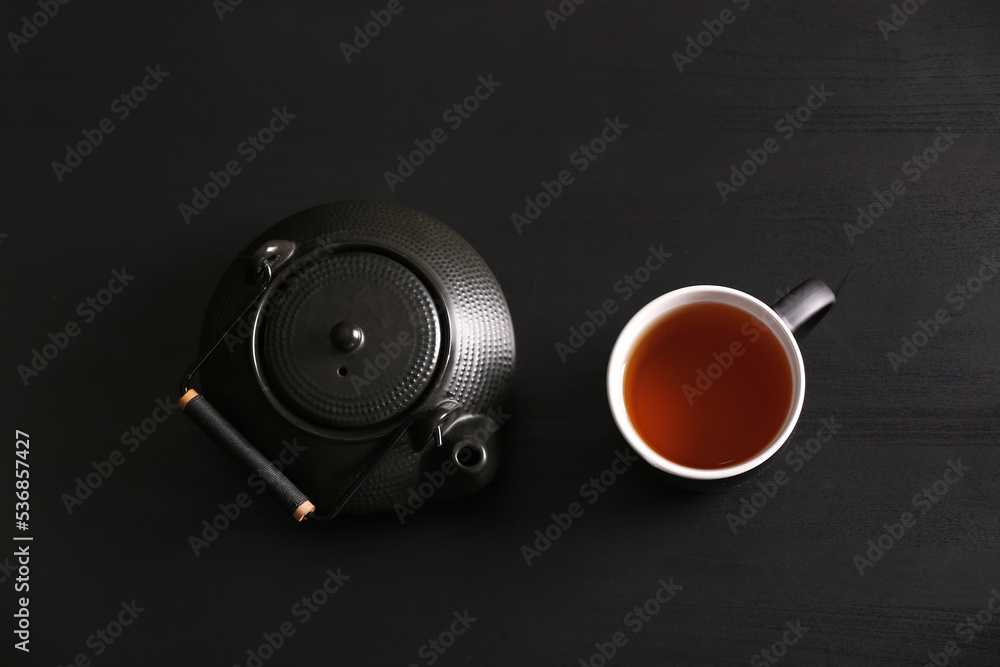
(374, 340)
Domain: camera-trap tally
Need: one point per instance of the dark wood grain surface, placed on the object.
(736, 592)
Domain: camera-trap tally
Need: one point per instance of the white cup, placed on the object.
(796, 311)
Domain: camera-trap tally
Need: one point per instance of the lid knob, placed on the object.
(346, 336)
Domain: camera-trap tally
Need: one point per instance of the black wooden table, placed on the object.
(756, 143)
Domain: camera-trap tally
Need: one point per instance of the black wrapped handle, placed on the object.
(218, 427)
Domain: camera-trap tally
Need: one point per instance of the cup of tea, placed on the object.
(706, 383)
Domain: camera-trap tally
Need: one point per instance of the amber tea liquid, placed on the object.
(708, 386)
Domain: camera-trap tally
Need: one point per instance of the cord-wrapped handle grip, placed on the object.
(219, 429)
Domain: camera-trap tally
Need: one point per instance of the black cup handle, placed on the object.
(803, 307)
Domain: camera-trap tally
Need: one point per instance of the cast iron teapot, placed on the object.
(371, 337)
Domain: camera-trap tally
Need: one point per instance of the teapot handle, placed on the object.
(211, 421)
(219, 429)
(214, 424)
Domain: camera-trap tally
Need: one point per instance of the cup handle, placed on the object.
(803, 307)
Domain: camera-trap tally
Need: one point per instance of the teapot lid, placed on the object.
(350, 340)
